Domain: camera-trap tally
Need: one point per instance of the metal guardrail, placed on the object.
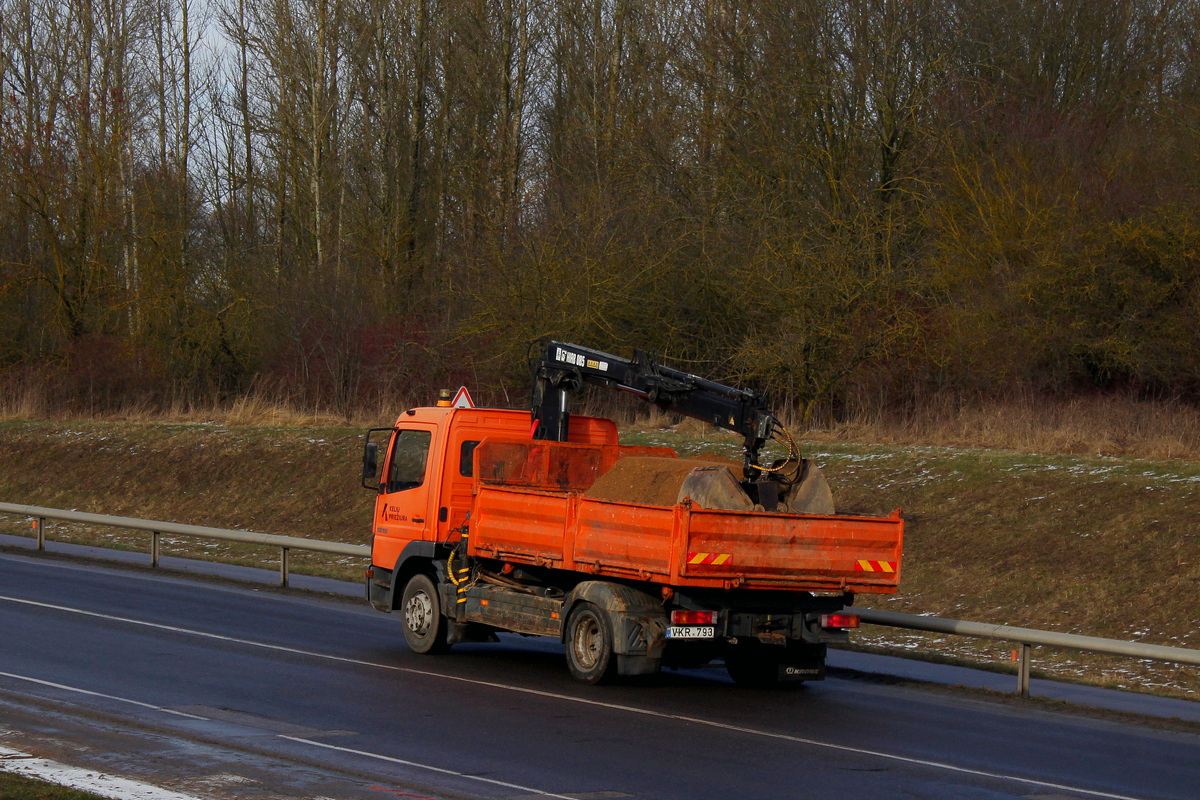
(157, 528)
(1027, 638)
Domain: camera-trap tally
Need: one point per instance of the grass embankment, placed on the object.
(295, 481)
(17, 787)
(1105, 546)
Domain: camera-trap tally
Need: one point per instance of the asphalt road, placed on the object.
(228, 691)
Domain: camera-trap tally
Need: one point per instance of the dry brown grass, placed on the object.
(1102, 426)
(1098, 426)
(28, 401)
(252, 410)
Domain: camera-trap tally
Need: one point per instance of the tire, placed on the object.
(421, 612)
(589, 644)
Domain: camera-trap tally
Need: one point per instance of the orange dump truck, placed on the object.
(633, 557)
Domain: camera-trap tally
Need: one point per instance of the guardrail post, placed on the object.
(39, 527)
(283, 566)
(1023, 669)
(154, 548)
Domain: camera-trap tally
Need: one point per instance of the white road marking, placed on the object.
(406, 763)
(585, 701)
(77, 690)
(87, 780)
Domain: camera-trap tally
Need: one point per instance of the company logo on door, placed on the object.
(392, 514)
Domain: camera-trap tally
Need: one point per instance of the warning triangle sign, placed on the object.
(463, 399)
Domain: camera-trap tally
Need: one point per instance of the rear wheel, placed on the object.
(424, 625)
(589, 644)
(753, 665)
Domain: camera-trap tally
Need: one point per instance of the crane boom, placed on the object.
(562, 368)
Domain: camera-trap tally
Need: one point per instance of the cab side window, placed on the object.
(409, 454)
(466, 459)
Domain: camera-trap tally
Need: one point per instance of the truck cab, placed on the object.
(425, 486)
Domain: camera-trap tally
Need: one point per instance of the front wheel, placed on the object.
(589, 644)
(424, 625)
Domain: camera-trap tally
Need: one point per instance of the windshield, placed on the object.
(409, 452)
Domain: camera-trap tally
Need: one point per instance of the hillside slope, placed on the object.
(295, 481)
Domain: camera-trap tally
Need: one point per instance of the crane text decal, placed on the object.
(579, 361)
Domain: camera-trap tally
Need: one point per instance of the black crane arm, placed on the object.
(562, 368)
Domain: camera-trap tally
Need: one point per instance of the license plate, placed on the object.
(691, 632)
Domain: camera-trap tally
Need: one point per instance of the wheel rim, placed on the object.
(587, 642)
(418, 614)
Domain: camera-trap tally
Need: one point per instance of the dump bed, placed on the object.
(530, 507)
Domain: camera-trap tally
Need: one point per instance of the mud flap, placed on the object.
(637, 665)
(805, 663)
(379, 589)
(800, 661)
(752, 663)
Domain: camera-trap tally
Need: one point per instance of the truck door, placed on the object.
(456, 482)
(402, 509)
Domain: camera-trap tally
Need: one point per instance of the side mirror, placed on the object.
(370, 461)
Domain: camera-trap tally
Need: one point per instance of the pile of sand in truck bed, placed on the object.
(661, 482)
(647, 480)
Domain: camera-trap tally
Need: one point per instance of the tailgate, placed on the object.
(757, 550)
